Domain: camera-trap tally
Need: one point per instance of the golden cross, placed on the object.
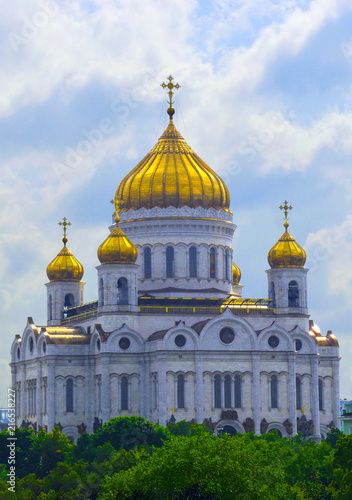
(172, 410)
(170, 86)
(303, 410)
(64, 223)
(286, 208)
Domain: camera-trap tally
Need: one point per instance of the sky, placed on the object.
(265, 100)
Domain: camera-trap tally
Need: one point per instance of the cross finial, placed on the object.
(64, 225)
(172, 410)
(286, 208)
(169, 85)
(303, 410)
(118, 205)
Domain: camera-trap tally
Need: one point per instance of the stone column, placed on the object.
(89, 392)
(336, 392)
(39, 394)
(162, 389)
(144, 393)
(23, 393)
(105, 388)
(292, 392)
(315, 397)
(199, 388)
(51, 393)
(256, 403)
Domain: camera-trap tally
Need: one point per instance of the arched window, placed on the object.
(293, 294)
(217, 391)
(272, 293)
(212, 262)
(321, 394)
(69, 395)
(124, 393)
(227, 267)
(50, 308)
(273, 392)
(227, 390)
(180, 391)
(298, 393)
(147, 254)
(69, 300)
(193, 262)
(238, 396)
(122, 291)
(170, 262)
(101, 291)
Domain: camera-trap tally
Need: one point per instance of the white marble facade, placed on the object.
(166, 341)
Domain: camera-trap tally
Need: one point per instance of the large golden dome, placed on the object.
(117, 248)
(172, 175)
(65, 266)
(287, 252)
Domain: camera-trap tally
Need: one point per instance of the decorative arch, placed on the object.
(293, 294)
(147, 262)
(71, 432)
(212, 262)
(232, 423)
(122, 291)
(170, 261)
(193, 264)
(279, 427)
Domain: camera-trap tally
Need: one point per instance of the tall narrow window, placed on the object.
(124, 393)
(298, 393)
(273, 391)
(321, 394)
(272, 293)
(293, 294)
(227, 267)
(180, 391)
(69, 395)
(193, 262)
(217, 391)
(147, 254)
(170, 262)
(227, 391)
(50, 308)
(101, 291)
(238, 396)
(212, 262)
(122, 291)
(69, 300)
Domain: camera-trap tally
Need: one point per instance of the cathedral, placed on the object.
(170, 333)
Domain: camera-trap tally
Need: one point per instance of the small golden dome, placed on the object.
(287, 252)
(236, 274)
(65, 266)
(117, 248)
(172, 175)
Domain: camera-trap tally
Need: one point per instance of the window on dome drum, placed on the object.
(217, 391)
(69, 300)
(180, 391)
(101, 291)
(122, 291)
(238, 396)
(147, 254)
(212, 262)
(193, 262)
(273, 392)
(272, 293)
(50, 308)
(227, 391)
(293, 294)
(170, 262)
(227, 267)
(321, 394)
(298, 393)
(69, 395)
(124, 393)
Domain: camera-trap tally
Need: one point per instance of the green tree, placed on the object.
(129, 432)
(50, 448)
(204, 467)
(25, 457)
(185, 428)
(333, 435)
(342, 468)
